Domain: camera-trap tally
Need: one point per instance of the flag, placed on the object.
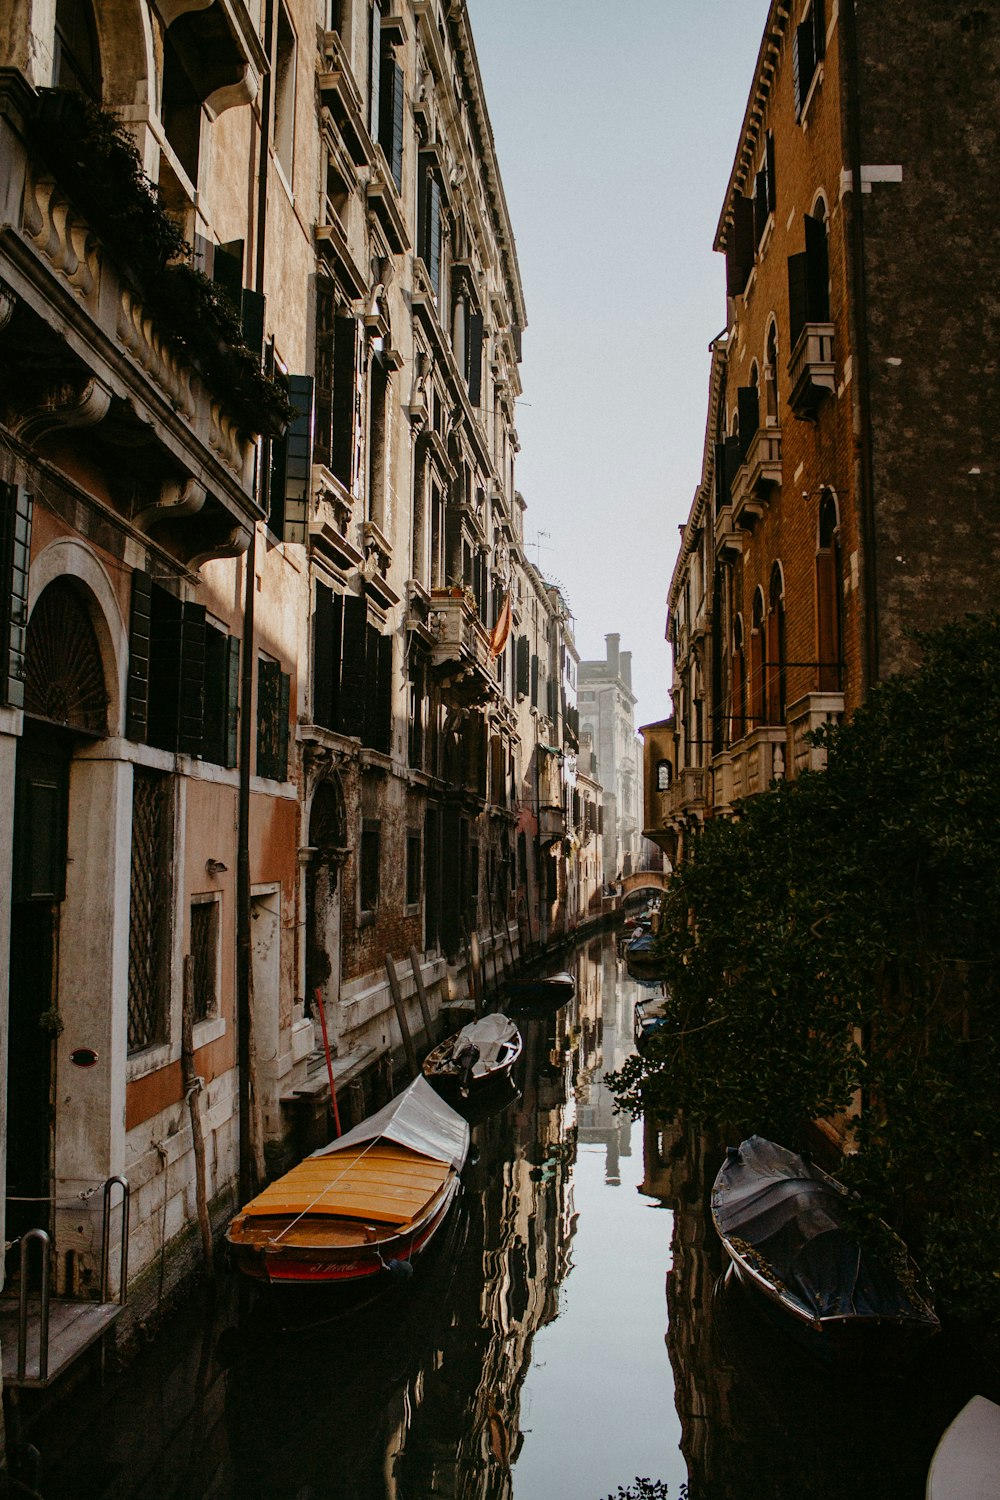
(501, 630)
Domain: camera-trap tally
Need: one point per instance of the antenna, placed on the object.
(539, 548)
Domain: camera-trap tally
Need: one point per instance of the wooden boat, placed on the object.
(545, 992)
(649, 1018)
(783, 1223)
(642, 959)
(966, 1462)
(472, 1060)
(366, 1203)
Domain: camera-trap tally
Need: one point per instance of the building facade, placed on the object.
(835, 515)
(607, 715)
(268, 715)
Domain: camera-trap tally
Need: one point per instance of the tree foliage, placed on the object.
(837, 944)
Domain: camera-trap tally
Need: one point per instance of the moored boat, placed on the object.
(474, 1059)
(966, 1462)
(366, 1203)
(650, 1017)
(784, 1225)
(642, 958)
(545, 992)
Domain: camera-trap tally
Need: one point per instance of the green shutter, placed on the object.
(353, 672)
(191, 716)
(475, 357)
(232, 720)
(298, 459)
(284, 704)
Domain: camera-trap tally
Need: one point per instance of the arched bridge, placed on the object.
(640, 880)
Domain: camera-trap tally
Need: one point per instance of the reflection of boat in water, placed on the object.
(540, 994)
(783, 1223)
(474, 1060)
(642, 959)
(650, 1017)
(363, 1204)
(966, 1462)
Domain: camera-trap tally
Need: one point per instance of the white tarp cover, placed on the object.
(966, 1462)
(418, 1118)
(490, 1034)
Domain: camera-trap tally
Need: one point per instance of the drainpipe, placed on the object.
(858, 304)
(244, 1063)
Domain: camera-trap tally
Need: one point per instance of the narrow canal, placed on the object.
(567, 1332)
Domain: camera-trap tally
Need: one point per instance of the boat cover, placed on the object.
(417, 1118)
(490, 1034)
(966, 1462)
(794, 1217)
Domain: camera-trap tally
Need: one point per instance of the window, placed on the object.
(414, 858)
(809, 49)
(337, 386)
(776, 648)
(370, 865)
(284, 91)
(273, 694)
(389, 126)
(429, 221)
(664, 775)
(15, 548)
(378, 400)
(417, 690)
(756, 684)
(765, 194)
(149, 910)
(771, 377)
(204, 957)
(352, 670)
(738, 724)
(809, 278)
(829, 598)
(290, 464)
(748, 416)
(180, 111)
(222, 696)
(76, 55)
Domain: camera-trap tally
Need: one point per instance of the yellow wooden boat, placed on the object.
(366, 1203)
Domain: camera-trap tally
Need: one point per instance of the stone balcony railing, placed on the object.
(728, 538)
(808, 713)
(687, 796)
(757, 477)
(749, 766)
(811, 369)
(551, 822)
(461, 649)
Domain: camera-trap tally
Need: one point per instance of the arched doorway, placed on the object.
(65, 703)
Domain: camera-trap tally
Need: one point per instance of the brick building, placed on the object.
(849, 480)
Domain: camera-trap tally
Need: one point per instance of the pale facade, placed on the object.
(607, 712)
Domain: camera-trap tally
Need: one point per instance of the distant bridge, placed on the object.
(640, 880)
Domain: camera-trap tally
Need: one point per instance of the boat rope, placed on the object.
(331, 1184)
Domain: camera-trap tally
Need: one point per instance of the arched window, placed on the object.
(829, 598)
(738, 720)
(771, 377)
(664, 775)
(775, 673)
(756, 684)
(77, 56)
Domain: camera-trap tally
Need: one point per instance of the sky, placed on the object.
(616, 125)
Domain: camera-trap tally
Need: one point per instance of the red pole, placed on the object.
(329, 1065)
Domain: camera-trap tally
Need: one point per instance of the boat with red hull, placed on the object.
(364, 1205)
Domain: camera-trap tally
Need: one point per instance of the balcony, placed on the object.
(342, 99)
(686, 797)
(811, 369)
(750, 765)
(728, 538)
(551, 823)
(757, 477)
(461, 650)
(806, 714)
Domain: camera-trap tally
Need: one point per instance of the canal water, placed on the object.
(568, 1331)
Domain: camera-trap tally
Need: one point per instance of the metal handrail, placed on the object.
(22, 1322)
(106, 1238)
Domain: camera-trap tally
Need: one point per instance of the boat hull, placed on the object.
(540, 995)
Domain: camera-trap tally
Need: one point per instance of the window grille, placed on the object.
(371, 839)
(149, 910)
(413, 863)
(204, 953)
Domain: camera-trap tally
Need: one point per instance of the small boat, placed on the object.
(362, 1205)
(642, 958)
(650, 1017)
(784, 1225)
(481, 1054)
(966, 1462)
(547, 992)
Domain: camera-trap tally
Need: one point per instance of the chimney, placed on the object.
(611, 643)
(625, 669)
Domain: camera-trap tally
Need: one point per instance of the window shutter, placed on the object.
(227, 269)
(748, 407)
(371, 685)
(552, 695)
(272, 720)
(798, 296)
(324, 661)
(390, 124)
(137, 692)
(721, 487)
(284, 703)
(298, 458)
(345, 361)
(772, 191)
(475, 348)
(805, 62)
(191, 718)
(374, 68)
(15, 542)
(740, 246)
(534, 680)
(232, 709)
(434, 234)
(818, 271)
(819, 29)
(323, 416)
(165, 646)
(523, 666)
(759, 205)
(252, 308)
(382, 737)
(353, 684)
(216, 685)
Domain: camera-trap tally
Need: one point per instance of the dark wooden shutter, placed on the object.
(371, 685)
(434, 234)
(819, 29)
(325, 664)
(227, 269)
(216, 685)
(345, 362)
(374, 68)
(232, 719)
(798, 296)
(772, 190)
(523, 666)
(818, 271)
(759, 205)
(740, 246)
(252, 306)
(353, 673)
(552, 694)
(165, 635)
(15, 544)
(805, 61)
(475, 347)
(748, 406)
(191, 717)
(323, 416)
(298, 458)
(534, 680)
(137, 691)
(382, 737)
(284, 704)
(390, 124)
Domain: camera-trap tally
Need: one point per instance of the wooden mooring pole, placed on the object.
(404, 1025)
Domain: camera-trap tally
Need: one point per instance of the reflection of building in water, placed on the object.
(606, 1041)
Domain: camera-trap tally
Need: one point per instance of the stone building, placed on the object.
(849, 479)
(263, 709)
(607, 714)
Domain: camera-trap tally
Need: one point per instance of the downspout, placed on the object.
(244, 1020)
(858, 311)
